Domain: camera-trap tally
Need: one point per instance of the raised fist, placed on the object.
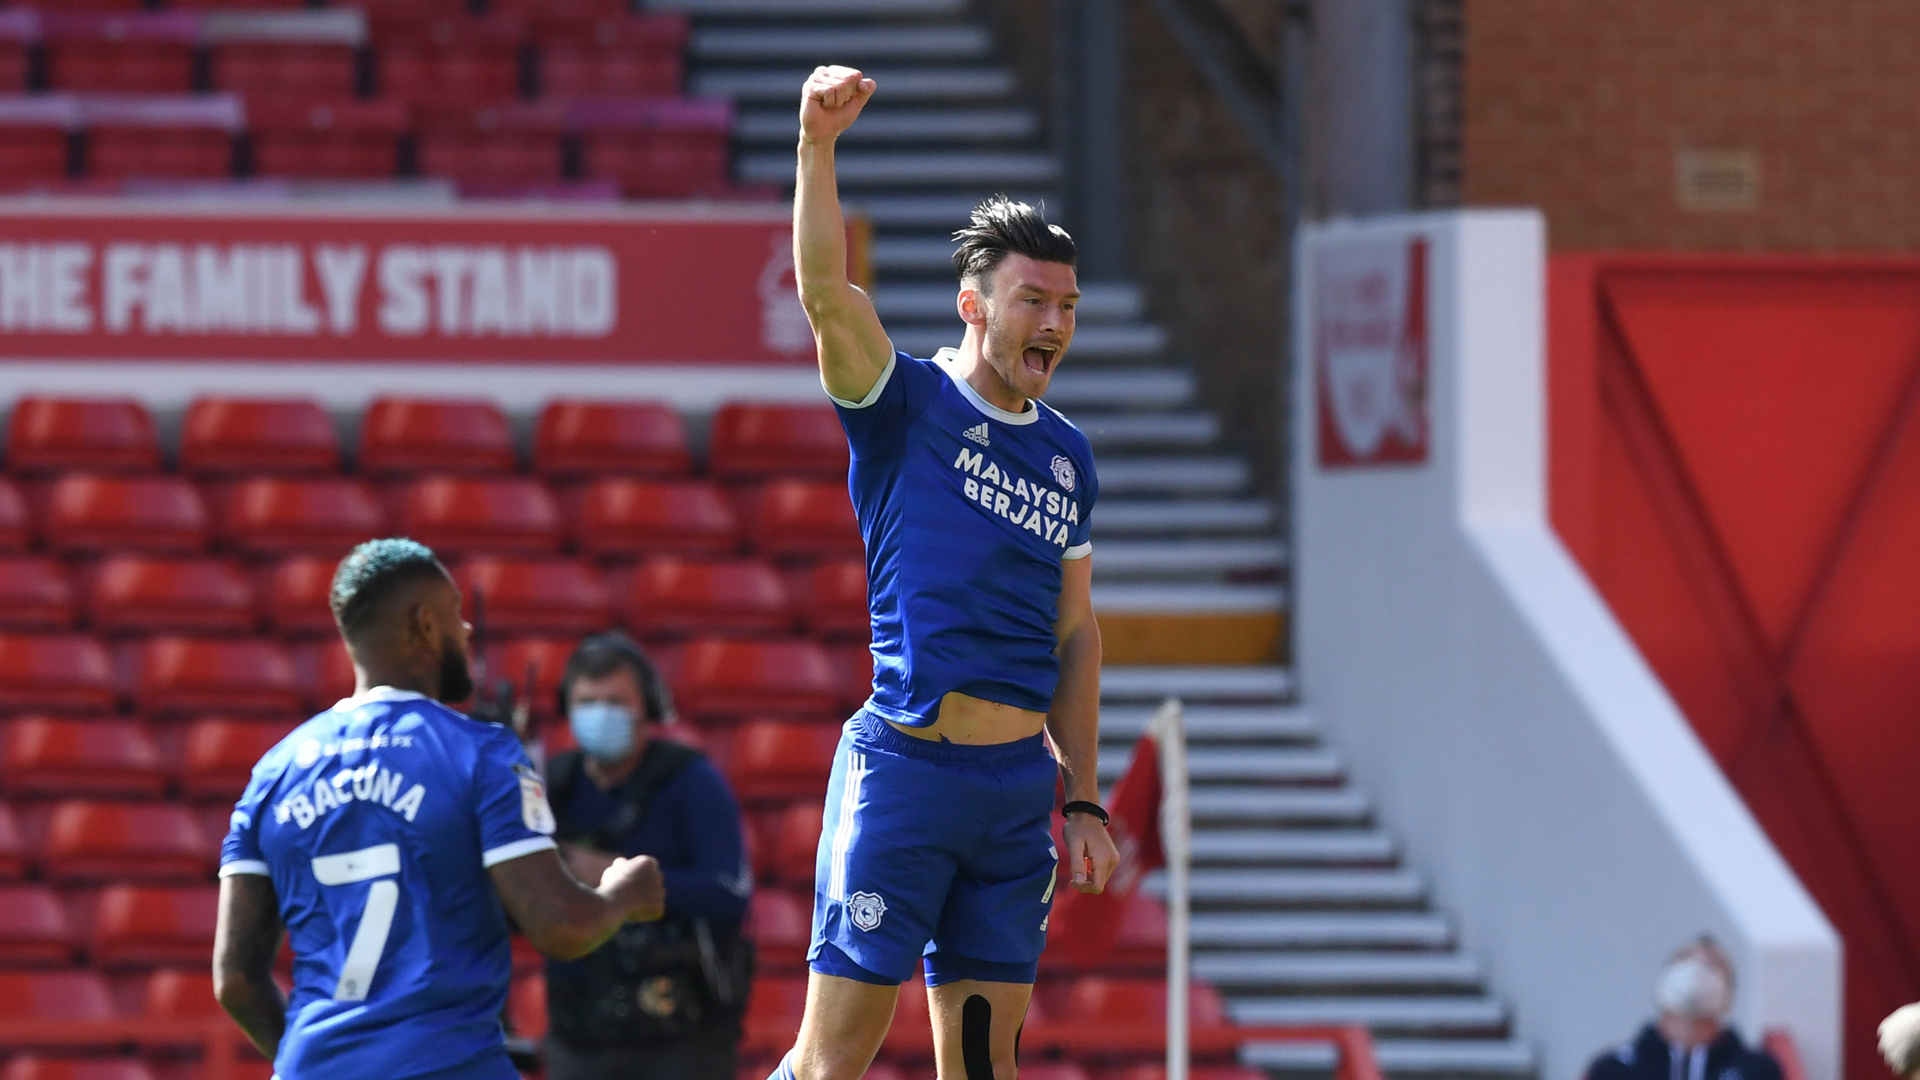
(636, 884)
(831, 99)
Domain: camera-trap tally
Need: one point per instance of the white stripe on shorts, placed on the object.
(843, 828)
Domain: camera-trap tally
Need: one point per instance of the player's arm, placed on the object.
(244, 941)
(565, 919)
(1073, 723)
(853, 347)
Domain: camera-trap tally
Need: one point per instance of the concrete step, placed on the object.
(1185, 598)
(1293, 847)
(1134, 517)
(1101, 341)
(902, 85)
(1212, 723)
(1321, 930)
(783, 9)
(1301, 888)
(1188, 430)
(1269, 765)
(1361, 972)
(941, 213)
(1195, 683)
(1168, 558)
(915, 168)
(1210, 475)
(853, 46)
(1404, 1057)
(897, 126)
(1130, 388)
(1442, 1014)
(1100, 301)
(1268, 807)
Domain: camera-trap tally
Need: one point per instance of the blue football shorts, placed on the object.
(933, 849)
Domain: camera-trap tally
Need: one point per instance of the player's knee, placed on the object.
(827, 1060)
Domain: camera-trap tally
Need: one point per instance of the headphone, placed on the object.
(654, 695)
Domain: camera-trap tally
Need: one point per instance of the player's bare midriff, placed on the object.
(973, 721)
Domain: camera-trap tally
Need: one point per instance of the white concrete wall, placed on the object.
(1537, 770)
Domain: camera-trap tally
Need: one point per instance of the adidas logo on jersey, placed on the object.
(977, 433)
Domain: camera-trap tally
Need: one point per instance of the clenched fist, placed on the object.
(636, 885)
(831, 99)
(1900, 1039)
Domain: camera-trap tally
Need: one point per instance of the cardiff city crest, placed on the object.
(866, 910)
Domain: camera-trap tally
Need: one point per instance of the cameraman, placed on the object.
(661, 1000)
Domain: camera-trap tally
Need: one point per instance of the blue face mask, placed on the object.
(603, 730)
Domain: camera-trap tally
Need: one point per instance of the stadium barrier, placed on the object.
(1541, 774)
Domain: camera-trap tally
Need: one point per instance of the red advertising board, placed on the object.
(456, 284)
(1370, 352)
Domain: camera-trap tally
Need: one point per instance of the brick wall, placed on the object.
(1582, 108)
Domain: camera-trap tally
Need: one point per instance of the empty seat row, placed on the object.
(405, 436)
(132, 926)
(211, 759)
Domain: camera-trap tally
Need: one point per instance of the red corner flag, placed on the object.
(1083, 926)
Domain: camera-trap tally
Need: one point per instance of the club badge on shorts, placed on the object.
(1063, 471)
(866, 910)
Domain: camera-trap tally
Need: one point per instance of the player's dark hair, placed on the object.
(371, 574)
(600, 655)
(1003, 227)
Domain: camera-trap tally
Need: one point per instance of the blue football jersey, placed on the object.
(967, 511)
(377, 821)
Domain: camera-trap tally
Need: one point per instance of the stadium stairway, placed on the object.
(1305, 911)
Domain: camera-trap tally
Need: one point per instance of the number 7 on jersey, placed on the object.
(376, 919)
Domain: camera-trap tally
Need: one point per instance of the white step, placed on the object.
(898, 84)
(1114, 341)
(944, 213)
(1170, 557)
(1136, 516)
(1168, 388)
(1436, 1013)
(881, 168)
(1218, 885)
(1209, 475)
(1100, 301)
(898, 126)
(1266, 764)
(852, 46)
(1195, 598)
(1266, 806)
(1184, 429)
(1152, 682)
(1321, 930)
(1403, 1057)
(813, 8)
(1211, 723)
(1385, 970)
(1296, 847)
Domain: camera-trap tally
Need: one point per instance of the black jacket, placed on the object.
(1648, 1057)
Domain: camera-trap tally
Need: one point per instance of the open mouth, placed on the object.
(1039, 359)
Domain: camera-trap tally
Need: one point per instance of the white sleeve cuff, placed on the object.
(245, 866)
(1078, 551)
(508, 852)
(873, 395)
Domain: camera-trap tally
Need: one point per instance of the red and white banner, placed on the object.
(1370, 353)
(456, 284)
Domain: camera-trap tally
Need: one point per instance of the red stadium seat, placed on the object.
(264, 53)
(536, 596)
(655, 147)
(772, 760)
(527, 1006)
(452, 59)
(296, 592)
(804, 519)
(620, 517)
(199, 675)
(610, 53)
(509, 142)
(543, 13)
(56, 672)
(671, 595)
(180, 994)
(217, 755)
(577, 438)
(400, 436)
(755, 440)
(269, 516)
(780, 923)
(13, 851)
(222, 436)
(544, 658)
(116, 841)
(189, 137)
(35, 1067)
(120, 52)
(44, 755)
(88, 513)
(34, 594)
(457, 516)
(1052, 1070)
(1153, 1070)
(795, 839)
(33, 931)
(154, 925)
(773, 1013)
(103, 434)
(1126, 1003)
(910, 1039)
(18, 30)
(719, 679)
(831, 598)
(33, 129)
(143, 594)
(54, 995)
(331, 138)
(325, 672)
(16, 531)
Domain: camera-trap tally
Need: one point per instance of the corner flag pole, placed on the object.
(1176, 839)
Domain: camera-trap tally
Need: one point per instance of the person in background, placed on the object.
(1690, 1038)
(664, 1003)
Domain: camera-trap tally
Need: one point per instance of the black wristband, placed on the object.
(1081, 806)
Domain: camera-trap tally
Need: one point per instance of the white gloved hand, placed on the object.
(1900, 1039)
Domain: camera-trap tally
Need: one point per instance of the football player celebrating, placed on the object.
(974, 500)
